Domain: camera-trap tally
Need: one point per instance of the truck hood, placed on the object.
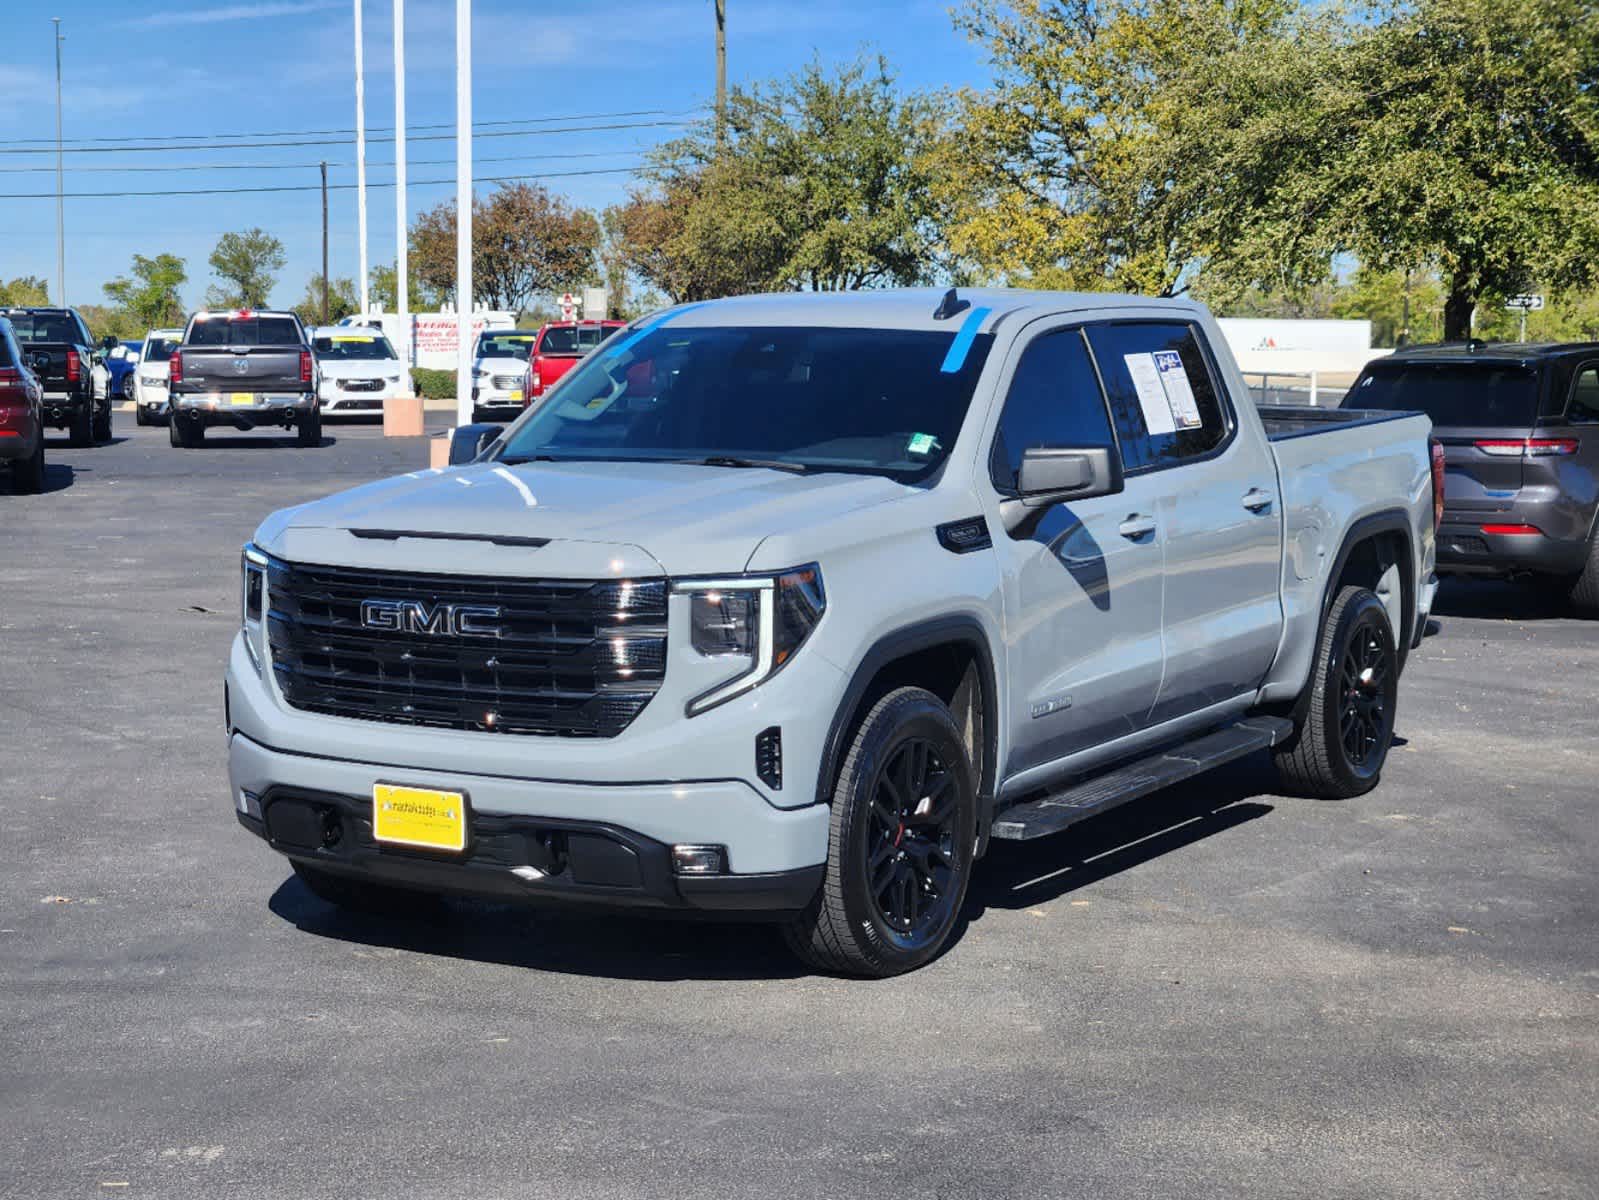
(605, 518)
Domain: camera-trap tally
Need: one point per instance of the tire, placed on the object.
(80, 431)
(360, 895)
(185, 434)
(1345, 722)
(102, 424)
(27, 476)
(308, 429)
(906, 756)
(138, 415)
(1584, 592)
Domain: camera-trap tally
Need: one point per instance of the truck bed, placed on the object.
(1284, 421)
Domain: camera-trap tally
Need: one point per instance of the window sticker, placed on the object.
(1151, 394)
(921, 444)
(346, 337)
(1179, 392)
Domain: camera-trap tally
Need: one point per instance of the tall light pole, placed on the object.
(360, 149)
(61, 208)
(402, 264)
(721, 69)
(463, 212)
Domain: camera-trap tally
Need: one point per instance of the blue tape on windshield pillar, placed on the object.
(964, 337)
(645, 330)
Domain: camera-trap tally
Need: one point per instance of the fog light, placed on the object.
(250, 804)
(698, 860)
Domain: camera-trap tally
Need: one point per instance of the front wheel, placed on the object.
(1342, 734)
(900, 846)
(139, 415)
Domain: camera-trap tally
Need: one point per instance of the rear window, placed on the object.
(5, 345)
(44, 327)
(1466, 394)
(505, 345)
(355, 347)
(566, 339)
(244, 331)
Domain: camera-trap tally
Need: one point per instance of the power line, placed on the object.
(427, 137)
(311, 166)
(342, 187)
(182, 137)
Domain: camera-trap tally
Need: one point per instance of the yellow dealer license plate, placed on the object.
(409, 816)
(238, 399)
(517, 394)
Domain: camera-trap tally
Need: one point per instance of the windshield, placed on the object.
(244, 331)
(159, 349)
(44, 327)
(354, 347)
(573, 339)
(1465, 394)
(879, 401)
(505, 345)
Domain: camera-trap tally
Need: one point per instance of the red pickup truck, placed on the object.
(559, 346)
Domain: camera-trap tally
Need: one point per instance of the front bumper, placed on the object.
(218, 408)
(598, 845)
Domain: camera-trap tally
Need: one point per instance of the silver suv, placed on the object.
(788, 605)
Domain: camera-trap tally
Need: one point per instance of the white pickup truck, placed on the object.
(787, 605)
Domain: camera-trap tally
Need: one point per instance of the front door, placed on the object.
(1083, 589)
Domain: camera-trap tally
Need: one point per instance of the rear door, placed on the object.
(1482, 413)
(1216, 504)
(1082, 592)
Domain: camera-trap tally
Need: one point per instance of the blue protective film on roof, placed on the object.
(964, 337)
(645, 330)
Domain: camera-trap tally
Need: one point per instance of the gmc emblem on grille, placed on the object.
(413, 616)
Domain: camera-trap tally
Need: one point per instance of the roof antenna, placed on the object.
(949, 306)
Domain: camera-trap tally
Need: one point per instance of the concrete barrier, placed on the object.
(402, 416)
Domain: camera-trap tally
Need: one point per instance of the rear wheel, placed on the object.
(1585, 590)
(185, 432)
(360, 895)
(309, 429)
(27, 476)
(102, 424)
(80, 432)
(903, 831)
(1346, 725)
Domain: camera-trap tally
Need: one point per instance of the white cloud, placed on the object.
(233, 12)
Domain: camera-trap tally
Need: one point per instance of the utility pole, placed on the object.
(324, 243)
(721, 70)
(463, 212)
(402, 263)
(360, 150)
(1404, 320)
(61, 208)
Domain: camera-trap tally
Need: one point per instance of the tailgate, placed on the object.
(54, 377)
(243, 369)
(1482, 463)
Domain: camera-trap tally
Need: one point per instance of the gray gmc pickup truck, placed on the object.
(244, 369)
(788, 605)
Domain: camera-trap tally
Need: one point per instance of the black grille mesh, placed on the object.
(574, 658)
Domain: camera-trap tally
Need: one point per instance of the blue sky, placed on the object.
(172, 68)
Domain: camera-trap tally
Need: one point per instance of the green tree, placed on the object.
(1469, 139)
(342, 300)
(384, 292)
(25, 291)
(822, 180)
(525, 242)
(118, 322)
(247, 264)
(1404, 305)
(151, 296)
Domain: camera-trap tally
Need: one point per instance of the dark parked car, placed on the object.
(1519, 424)
(62, 353)
(244, 369)
(21, 418)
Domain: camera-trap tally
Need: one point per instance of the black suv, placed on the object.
(1519, 424)
(62, 353)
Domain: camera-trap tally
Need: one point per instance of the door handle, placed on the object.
(1256, 500)
(1136, 526)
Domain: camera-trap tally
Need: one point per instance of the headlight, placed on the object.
(756, 622)
(252, 603)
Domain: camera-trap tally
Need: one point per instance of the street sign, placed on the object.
(1525, 303)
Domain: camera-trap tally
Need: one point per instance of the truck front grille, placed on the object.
(569, 658)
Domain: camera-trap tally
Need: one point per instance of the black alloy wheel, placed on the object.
(911, 868)
(1365, 718)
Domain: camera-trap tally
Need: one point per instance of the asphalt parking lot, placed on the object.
(1220, 992)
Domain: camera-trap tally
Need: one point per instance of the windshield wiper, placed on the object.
(728, 460)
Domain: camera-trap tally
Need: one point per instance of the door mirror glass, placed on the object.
(469, 441)
(109, 342)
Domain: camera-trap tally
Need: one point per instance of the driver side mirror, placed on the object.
(109, 342)
(1052, 475)
(469, 441)
(40, 361)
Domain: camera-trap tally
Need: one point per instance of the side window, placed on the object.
(1161, 391)
(1054, 400)
(1585, 397)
